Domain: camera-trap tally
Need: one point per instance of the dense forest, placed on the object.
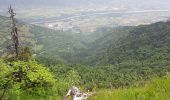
(126, 56)
(50, 61)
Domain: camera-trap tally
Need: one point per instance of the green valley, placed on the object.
(43, 41)
(112, 63)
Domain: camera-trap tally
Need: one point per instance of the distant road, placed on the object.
(100, 13)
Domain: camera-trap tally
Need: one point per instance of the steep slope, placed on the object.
(106, 36)
(145, 43)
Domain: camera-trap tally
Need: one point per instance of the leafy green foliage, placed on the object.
(5, 71)
(124, 75)
(29, 77)
(66, 78)
(25, 54)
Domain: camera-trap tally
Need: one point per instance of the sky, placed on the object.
(84, 3)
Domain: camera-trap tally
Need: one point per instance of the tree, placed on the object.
(20, 73)
(33, 78)
(14, 31)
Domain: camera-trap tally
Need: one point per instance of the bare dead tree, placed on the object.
(14, 31)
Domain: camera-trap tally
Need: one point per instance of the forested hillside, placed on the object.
(44, 42)
(125, 56)
(147, 44)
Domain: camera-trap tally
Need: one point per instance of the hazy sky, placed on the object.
(74, 3)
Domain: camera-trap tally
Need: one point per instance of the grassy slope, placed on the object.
(158, 89)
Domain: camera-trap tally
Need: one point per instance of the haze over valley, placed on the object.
(81, 16)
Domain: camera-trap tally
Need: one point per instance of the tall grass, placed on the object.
(158, 89)
(27, 96)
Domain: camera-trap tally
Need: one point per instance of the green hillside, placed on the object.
(147, 44)
(43, 41)
(125, 56)
(100, 45)
(122, 52)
